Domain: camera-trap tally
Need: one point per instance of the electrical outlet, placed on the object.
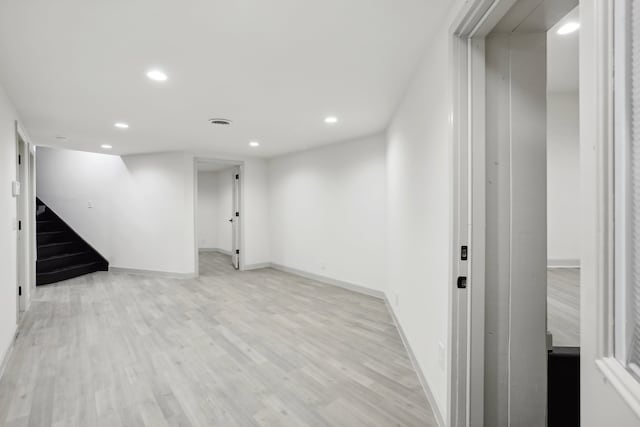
(441, 355)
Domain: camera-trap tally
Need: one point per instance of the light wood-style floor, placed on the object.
(563, 306)
(259, 348)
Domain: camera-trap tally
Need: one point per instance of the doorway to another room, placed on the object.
(218, 216)
(563, 184)
(502, 307)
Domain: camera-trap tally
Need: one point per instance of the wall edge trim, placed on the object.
(257, 266)
(382, 296)
(416, 367)
(153, 273)
(330, 281)
(9, 351)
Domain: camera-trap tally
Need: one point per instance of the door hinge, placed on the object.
(237, 251)
(19, 290)
(462, 282)
(19, 225)
(19, 159)
(237, 176)
(237, 213)
(464, 253)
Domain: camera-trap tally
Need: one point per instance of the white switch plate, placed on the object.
(15, 188)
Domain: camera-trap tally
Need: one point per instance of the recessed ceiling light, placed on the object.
(121, 125)
(106, 146)
(568, 28)
(254, 144)
(331, 120)
(157, 75)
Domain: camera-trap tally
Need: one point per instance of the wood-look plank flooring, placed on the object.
(258, 348)
(563, 306)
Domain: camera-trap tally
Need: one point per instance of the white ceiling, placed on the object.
(562, 57)
(276, 68)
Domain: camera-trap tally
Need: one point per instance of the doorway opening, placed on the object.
(500, 342)
(563, 184)
(218, 214)
(563, 222)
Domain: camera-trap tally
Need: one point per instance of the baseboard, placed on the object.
(563, 263)
(9, 350)
(258, 266)
(416, 366)
(329, 281)
(380, 295)
(218, 250)
(153, 273)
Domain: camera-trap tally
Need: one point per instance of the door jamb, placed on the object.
(25, 214)
(467, 312)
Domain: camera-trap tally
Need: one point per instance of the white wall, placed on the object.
(327, 211)
(418, 215)
(254, 205)
(141, 214)
(154, 214)
(68, 181)
(7, 217)
(563, 182)
(133, 197)
(215, 208)
(224, 206)
(207, 215)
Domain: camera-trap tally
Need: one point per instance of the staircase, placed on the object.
(62, 253)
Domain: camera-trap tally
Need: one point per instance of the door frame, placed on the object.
(467, 306)
(25, 221)
(474, 21)
(239, 166)
(235, 219)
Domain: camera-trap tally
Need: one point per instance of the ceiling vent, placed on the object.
(222, 122)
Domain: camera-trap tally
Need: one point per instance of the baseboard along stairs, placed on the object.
(62, 253)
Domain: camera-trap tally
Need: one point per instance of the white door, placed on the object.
(235, 220)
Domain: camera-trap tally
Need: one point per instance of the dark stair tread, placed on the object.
(50, 245)
(48, 233)
(71, 267)
(52, 257)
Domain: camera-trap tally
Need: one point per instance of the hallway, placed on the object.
(256, 348)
